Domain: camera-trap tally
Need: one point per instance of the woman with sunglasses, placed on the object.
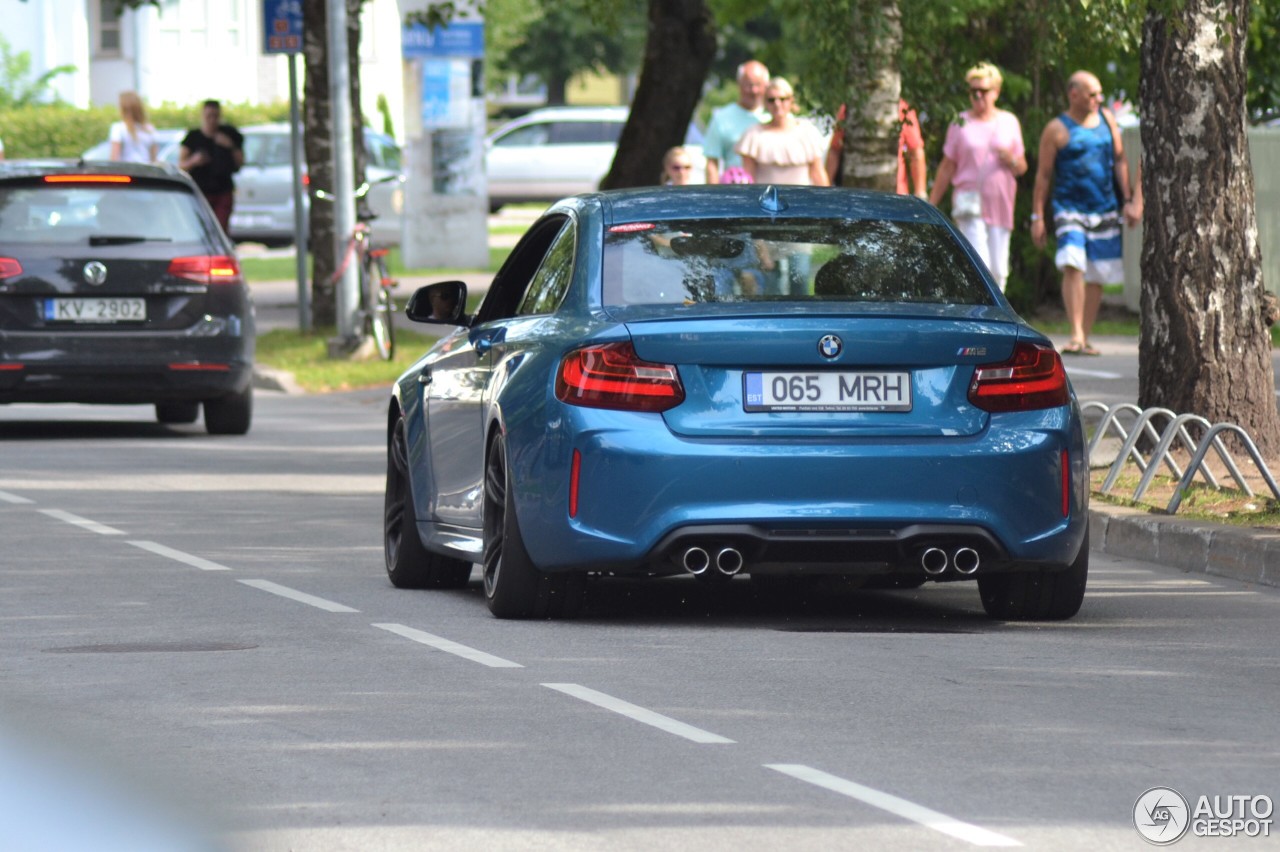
(785, 150)
(983, 158)
(677, 167)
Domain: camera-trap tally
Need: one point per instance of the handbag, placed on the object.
(966, 204)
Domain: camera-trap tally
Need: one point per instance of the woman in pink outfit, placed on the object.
(785, 150)
(983, 158)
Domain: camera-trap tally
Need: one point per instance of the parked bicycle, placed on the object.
(375, 305)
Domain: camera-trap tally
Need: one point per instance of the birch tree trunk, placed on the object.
(1204, 347)
(871, 123)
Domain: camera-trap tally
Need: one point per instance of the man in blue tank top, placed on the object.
(1082, 157)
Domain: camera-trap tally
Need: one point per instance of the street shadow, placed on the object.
(72, 430)
(825, 605)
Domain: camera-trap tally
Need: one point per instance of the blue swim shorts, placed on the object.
(1090, 242)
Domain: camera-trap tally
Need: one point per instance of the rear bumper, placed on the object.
(803, 504)
(123, 368)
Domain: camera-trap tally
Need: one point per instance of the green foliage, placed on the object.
(1263, 96)
(562, 38)
(58, 130)
(16, 89)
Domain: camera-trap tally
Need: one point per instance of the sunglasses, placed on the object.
(781, 100)
(680, 167)
(977, 93)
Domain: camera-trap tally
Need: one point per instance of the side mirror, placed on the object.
(442, 303)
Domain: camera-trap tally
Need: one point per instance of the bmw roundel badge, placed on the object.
(830, 346)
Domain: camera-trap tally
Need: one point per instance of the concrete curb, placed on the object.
(265, 378)
(1246, 554)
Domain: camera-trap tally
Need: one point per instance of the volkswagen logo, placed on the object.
(95, 272)
(830, 346)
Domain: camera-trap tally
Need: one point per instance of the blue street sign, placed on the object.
(281, 26)
(461, 39)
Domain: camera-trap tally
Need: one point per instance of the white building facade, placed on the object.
(184, 51)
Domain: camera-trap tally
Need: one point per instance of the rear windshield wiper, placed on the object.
(120, 240)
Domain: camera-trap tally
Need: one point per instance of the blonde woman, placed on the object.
(133, 139)
(677, 167)
(984, 157)
(785, 150)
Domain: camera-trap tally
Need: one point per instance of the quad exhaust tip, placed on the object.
(933, 561)
(966, 560)
(729, 561)
(696, 561)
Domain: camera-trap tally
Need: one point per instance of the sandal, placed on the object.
(1088, 349)
(1075, 347)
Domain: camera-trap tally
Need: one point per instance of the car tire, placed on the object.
(409, 564)
(230, 414)
(513, 585)
(1037, 595)
(177, 412)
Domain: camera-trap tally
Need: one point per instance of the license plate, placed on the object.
(95, 310)
(250, 220)
(827, 391)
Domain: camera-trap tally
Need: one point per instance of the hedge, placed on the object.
(57, 130)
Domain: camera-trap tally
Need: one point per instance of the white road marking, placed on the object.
(179, 556)
(894, 805)
(295, 595)
(91, 526)
(6, 497)
(449, 646)
(640, 714)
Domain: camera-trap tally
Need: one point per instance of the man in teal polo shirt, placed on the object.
(729, 122)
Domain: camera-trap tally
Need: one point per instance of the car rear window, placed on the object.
(867, 260)
(66, 214)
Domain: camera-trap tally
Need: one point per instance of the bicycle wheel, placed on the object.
(378, 306)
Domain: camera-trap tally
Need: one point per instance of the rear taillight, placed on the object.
(206, 269)
(1033, 378)
(9, 268)
(613, 376)
(87, 179)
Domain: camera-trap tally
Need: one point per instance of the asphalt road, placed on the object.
(206, 620)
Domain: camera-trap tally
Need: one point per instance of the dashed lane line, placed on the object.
(639, 714)
(85, 523)
(449, 646)
(179, 556)
(898, 807)
(6, 497)
(295, 595)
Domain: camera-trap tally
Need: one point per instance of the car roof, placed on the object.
(283, 127)
(11, 169)
(731, 201)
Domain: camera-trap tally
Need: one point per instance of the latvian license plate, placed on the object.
(827, 391)
(102, 309)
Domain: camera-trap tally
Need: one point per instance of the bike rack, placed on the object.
(1175, 429)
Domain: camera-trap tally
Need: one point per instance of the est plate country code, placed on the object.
(827, 391)
(95, 310)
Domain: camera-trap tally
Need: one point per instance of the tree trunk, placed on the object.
(872, 126)
(317, 119)
(679, 48)
(1204, 347)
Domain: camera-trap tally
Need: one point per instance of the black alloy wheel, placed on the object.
(513, 585)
